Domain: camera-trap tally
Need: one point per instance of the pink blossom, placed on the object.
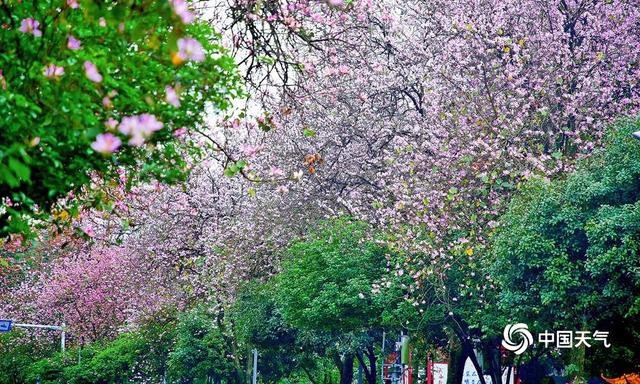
(89, 231)
(190, 49)
(181, 9)
(102, 22)
(53, 71)
(172, 96)
(73, 43)
(276, 172)
(30, 25)
(180, 132)
(107, 103)
(250, 150)
(335, 3)
(73, 4)
(149, 123)
(139, 128)
(282, 189)
(129, 125)
(111, 123)
(309, 67)
(91, 71)
(106, 143)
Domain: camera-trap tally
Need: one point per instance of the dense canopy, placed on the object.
(182, 182)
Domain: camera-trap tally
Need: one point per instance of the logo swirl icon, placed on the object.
(512, 331)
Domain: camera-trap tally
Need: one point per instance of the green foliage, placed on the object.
(48, 124)
(285, 353)
(326, 280)
(128, 358)
(113, 362)
(258, 323)
(324, 291)
(200, 349)
(567, 252)
(16, 355)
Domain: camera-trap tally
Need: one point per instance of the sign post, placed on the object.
(5, 325)
(8, 325)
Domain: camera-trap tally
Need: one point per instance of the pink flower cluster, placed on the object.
(73, 43)
(106, 143)
(172, 96)
(53, 71)
(91, 71)
(139, 128)
(31, 26)
(181, 9)
(190, 49)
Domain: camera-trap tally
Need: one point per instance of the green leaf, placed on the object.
(21, 170)
(308, 132)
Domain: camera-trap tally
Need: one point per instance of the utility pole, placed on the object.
(255, 367)
(384, 357)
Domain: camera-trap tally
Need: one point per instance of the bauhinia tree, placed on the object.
(432, 113)
(92, 87)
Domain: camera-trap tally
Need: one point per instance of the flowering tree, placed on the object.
(92, 87)
(96, 291)
(425, 117)
(421, 117)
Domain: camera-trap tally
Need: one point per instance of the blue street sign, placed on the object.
(5, 325)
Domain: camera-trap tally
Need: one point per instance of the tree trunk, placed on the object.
(467, 348)
(495, 368)
(373, 374)
(459, 367)
(248, 373)
(369, 371)
(346, 369)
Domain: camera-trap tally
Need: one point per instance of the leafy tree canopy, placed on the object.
(100, 90)
(567, 251)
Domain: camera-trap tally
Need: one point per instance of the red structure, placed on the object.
(394, 372)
